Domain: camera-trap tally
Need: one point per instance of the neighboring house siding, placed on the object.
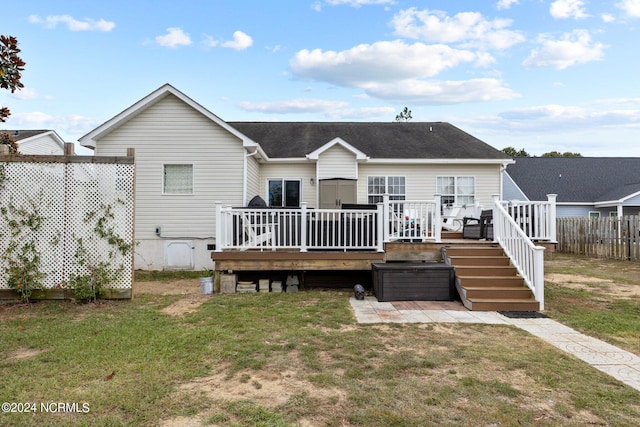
(633, 201)
(170, 132)
(563, 211)
(337, 162)
(304, 171)
(510, 190)
(45, 145)
(421, 179)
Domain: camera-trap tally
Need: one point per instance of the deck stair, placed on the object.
(486, 280)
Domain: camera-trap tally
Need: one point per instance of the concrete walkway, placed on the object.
(620, 364)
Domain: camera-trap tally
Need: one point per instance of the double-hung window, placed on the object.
(284, 192)
(178, 179)
(377, 186)
(456, 190)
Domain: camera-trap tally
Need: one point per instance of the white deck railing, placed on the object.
(536, 219)
(327, 229)
(412, 219)
(525, 256)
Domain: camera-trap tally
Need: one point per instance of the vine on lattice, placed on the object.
(98, 272)
(98, 255)
(21, 256)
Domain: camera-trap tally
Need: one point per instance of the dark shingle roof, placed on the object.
(436, 140)
(23, 134)
(577, 179)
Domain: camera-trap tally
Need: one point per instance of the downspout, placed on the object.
(245, 176)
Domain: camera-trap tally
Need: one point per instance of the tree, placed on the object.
(511, 151)
(559, 154)
(404, 115)
(11, 67)
(7, 139)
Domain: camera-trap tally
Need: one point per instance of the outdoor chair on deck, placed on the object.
(478, 228)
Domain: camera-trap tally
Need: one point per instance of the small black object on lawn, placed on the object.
(358, 290)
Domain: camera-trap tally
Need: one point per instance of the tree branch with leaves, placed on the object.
(11, 68)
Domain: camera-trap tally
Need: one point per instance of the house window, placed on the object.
(284, 192)
(178, 179)
(456, 190)
(613, 214)
(594, 214)
(377, 186)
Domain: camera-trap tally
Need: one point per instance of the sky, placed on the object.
(538, 75)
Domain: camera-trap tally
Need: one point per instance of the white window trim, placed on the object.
(276, 178)
(193, 181)
(594, 214)
(455, 187)
(386, 186)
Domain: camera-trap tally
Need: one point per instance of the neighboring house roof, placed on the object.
(577, 179)
(377, 140)
(26, 137)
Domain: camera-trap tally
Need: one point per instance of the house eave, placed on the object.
(441, 161)
(89, 140)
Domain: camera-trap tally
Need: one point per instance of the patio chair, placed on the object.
(478, 228)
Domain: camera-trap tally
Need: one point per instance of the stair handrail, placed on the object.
(526, 257)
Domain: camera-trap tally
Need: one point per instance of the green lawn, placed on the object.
(301, 359)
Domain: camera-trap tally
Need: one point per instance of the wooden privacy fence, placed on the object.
(611, 237)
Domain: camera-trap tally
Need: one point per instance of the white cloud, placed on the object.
(72, 24)
(573, 48)
(301, 105)
(630, 7)
(607, 17)
(506, 4)
(27, 94)
(317, 6)
(470, 29)
(554, 116)
(174, 37)
(563, 9)
(398, 72)
(241, 41)
(380, 61)
(71, 124)
(328, 108)
(441, 92)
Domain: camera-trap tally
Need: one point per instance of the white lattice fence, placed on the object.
(82, 204)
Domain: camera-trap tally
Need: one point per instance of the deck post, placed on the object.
(496, 230)
(552, 217)
(219, 238)
(380, 226)
(303, 227)
(385, 217)
(437, 219)
(538, 285)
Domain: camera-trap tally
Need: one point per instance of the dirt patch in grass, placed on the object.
(169, 287)
(605, 286)
(189, 288)
(270, 387)
(190, 304)
(21, 354)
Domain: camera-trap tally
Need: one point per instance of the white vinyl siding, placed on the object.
(253, 179)
(44, 144)
(170, 131)
(337, 162)
(420, 180)
(302, 171)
